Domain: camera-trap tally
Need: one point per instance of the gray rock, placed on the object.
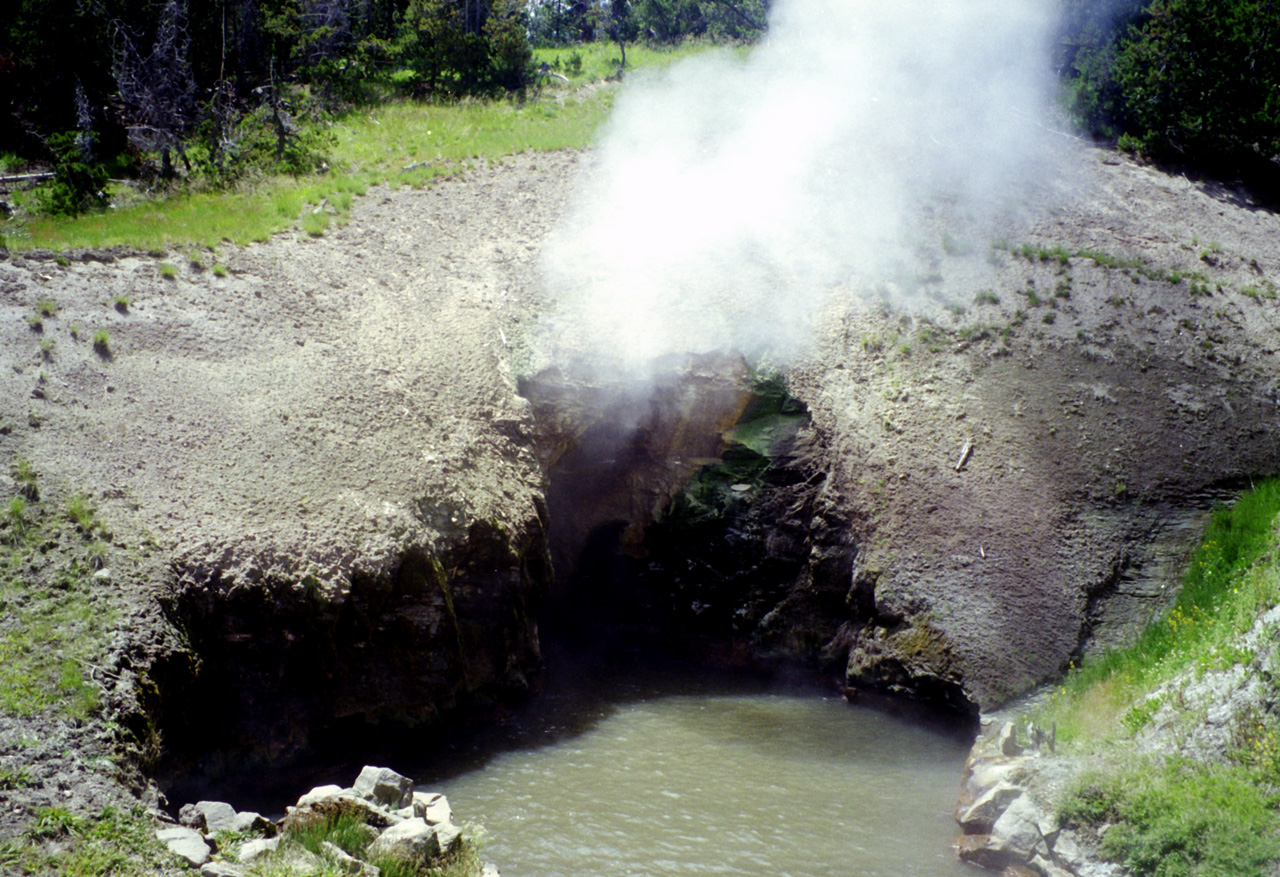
(303, 863)
(1009, 740)
(252, 850)
(1077, 858)
(189, 816)
(349, 863)
(185, 843)
(215, 816)
(437, 810)
(447, 834)
(1017, 831)
(221, 869)
(412, 840)
(981, 816)
(385, 786)
(1048, 868)
(319, 793)
(254, 823)
(489, 870)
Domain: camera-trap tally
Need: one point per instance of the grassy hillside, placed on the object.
(400, 142)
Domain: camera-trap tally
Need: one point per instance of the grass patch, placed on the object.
(1180, 818)
(1233, 576)
(315, 224)
(102, 341)
(219, 270)
(47, 307)
(54, 624)
(109, 844)
(397, 143)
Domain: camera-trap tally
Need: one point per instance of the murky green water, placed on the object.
(746, 783)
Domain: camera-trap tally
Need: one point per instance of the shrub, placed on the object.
(78, 183)
(1180, 818)
(1187, 79)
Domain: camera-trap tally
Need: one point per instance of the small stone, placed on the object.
(348, 862)
(215, 816)
(186, 844)
(447, 834)
(1009, 740)
(1017, 831)
(221, 869)
(385, 786)
(489, 870)
(254, 823)
(983, 813)
(413, 841)
(438, 810)
(319, 793)
(257, 848)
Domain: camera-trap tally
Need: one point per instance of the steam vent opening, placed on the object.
(687, 692)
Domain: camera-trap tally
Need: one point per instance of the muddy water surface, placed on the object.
(717, 781)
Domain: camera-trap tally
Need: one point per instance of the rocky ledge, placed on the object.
(379, 818)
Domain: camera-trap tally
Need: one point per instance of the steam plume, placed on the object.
(731, 193)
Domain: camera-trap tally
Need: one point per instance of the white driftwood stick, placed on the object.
(965, 453)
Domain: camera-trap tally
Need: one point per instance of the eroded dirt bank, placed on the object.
(328, 455)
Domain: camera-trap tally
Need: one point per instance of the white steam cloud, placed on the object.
(731, 194)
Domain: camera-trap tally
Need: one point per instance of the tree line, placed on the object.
(169, 78)
(1196, 82)
(217, 88)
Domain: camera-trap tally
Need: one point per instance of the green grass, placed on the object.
(47, 307)
(1233, 577)
(315, 224)
(102, 341)
(80, 511)
(397, 143)
(1181, 818)
(110, 844)
(52, 626)
(219, 270)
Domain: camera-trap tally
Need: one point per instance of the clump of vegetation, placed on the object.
(986, 297)
(315, 224)
(102, 342)
(113, 842)
(25, 476)
(168, 270)
(80, 511)
(219, 270)
(47, 307)
(55, 623)
(1192, 80)
(1180, 817)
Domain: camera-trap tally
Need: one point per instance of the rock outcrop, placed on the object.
(396, 824)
